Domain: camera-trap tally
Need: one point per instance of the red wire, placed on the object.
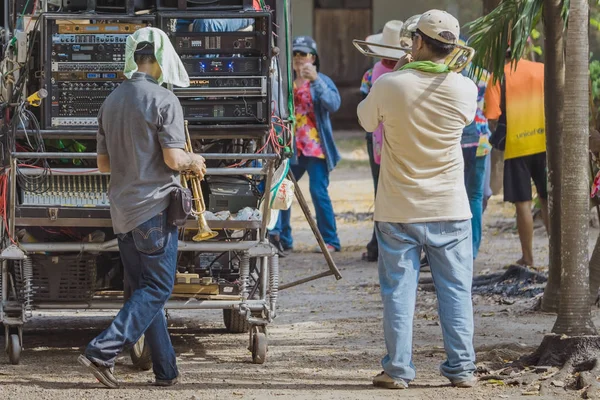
(273, 139)
(31, 19)
(3, 209)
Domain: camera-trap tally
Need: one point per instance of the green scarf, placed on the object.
(427, 66)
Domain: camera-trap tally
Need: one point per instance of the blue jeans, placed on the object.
(149, 255)
(448, 249)
(318, 176)
(474, 182)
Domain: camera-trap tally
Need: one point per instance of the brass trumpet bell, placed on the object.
(204, 231)
(205, 234)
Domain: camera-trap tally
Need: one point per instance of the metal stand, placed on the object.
(333, 270)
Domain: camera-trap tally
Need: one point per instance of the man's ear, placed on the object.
(420, 42)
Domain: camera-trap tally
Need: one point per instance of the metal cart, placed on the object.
(59, 195)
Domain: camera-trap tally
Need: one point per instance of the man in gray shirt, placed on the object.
(141, 142)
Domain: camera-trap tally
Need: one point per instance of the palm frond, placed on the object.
(511, 22)
(565, 11)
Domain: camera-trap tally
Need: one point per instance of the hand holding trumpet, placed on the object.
(197, 165)
(405, 59)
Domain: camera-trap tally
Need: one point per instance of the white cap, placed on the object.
(434, 23)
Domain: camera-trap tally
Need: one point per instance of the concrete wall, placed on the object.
(383, 11)
(302, 17)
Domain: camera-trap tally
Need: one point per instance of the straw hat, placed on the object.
(389, 37)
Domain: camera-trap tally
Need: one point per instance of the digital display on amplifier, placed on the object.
(215, 66)
(95, 75)
(77, 47)
(81, 57)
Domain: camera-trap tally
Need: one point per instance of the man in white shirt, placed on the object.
(421, 202)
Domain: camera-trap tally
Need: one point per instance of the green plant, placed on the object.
(595, 78)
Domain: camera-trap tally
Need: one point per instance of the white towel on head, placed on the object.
(173, 71)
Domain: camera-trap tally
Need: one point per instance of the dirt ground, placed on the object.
(327, 340)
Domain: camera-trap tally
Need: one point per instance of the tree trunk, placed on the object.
(574, 314)
(554, 83)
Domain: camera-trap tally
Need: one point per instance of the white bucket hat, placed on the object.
(389, 37)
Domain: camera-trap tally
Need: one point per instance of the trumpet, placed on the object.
(460, 57)
(204, 231)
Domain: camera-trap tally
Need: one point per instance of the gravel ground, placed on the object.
(326, 342)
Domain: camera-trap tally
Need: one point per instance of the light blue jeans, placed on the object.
(475, 184)
(318, 184)
(448, 247)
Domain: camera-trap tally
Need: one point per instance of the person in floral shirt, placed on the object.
(307, 137)
(315, 97)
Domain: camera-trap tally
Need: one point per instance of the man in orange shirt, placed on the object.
(525, 152)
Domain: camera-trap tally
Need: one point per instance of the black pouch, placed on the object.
(498, 138)
(180, 206)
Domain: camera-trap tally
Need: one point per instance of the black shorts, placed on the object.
(518, 173)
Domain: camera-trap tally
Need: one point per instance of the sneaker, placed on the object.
(369, 256)
(274, 240)
(329, 247)
(385, 381)
(166, 382)
(465, 383)
(105, 375)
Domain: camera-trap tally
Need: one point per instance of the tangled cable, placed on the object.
(31, 183)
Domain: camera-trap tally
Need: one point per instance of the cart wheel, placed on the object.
(259, 348)
(140, 355)
(234, 322)
(14, 349)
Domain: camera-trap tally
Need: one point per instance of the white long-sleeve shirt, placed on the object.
(422, 169)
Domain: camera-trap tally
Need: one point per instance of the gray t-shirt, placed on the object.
(135, 123)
